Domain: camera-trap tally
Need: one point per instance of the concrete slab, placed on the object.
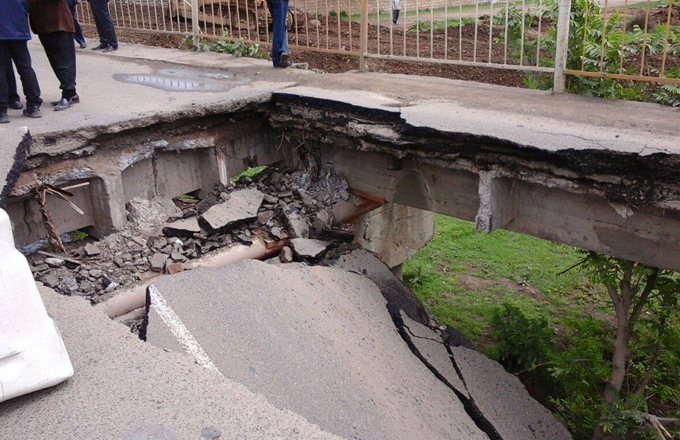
(432, 348)
(363, 262)
(14, 148)
(241, 206)
(307, 248)
(504, 401)
(317, 341)
(124, 388)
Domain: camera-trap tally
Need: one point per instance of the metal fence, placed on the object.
(614, 40)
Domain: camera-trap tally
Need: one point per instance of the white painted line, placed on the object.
(177, 327)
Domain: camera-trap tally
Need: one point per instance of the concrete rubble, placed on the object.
(162, 235)
(308, 249)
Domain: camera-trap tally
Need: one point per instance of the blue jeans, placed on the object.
(279, 10)
(79, 31)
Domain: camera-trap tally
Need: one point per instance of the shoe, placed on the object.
(110, 49)
(74, 100)
(82, 45)
(32, 112)
(4, 119)
(63, 104)
(16, 105)
(285, 60)
(100, 47)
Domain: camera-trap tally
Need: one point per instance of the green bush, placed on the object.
(224, 45)
(522, 342)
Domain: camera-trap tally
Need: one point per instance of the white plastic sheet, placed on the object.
(32, 353)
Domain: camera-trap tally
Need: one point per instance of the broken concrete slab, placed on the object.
(297, 224)
(397, 294)
(431, 346)
(91, 250)
(124, 388)
(182, 228)
(158, 261)
(317, 341)
(15, 145)
(309, 249)
(241, 206)
(504, 401)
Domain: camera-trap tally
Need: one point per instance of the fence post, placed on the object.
(195, 28)
(363, 44)
(562, 45)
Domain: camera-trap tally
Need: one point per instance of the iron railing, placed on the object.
(523, 35)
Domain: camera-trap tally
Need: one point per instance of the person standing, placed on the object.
(79, 30)
(279, 10)
(14, 36)
(53, 22)
(102, 19)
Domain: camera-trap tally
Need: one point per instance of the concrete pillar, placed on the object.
(394, 232)
(108, 203)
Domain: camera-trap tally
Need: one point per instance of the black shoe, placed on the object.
(82, 45)
(32, 112)
(74, 100)
(4, 119)
(63, 104)
(100, 47)
(110, 49)
(285, 60)
(16, 105)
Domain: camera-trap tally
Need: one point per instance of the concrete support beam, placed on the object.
(497, 204)
(578, 216)
(108, 203)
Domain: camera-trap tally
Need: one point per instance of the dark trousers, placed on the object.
(61, 53)
(102, 19)
(79, 31)
(278, 9)
(12, 94)
(17, 51)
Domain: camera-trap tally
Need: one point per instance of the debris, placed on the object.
(147, 215)
(55, 262)
(183, 228)
(91, 250)
(297, 224)
(158, 261)
(60, 257)
(242, 206)
(286, 255)
(175, 268)
(309, 249)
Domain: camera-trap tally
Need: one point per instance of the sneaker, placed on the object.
(285, 60)
(32, 112)
(82, 45)
(4, 119)
(63, 104)
(110, 49)
(16, 105)
(100, 47)
(74, 100)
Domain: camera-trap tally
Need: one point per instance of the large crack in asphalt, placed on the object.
(468, 402)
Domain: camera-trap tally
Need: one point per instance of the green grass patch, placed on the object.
(250, 172)
(464, 276)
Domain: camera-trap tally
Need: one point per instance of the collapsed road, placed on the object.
(344, 351)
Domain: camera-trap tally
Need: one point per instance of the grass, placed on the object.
(464, 277)
(250, 172)
(452, 9)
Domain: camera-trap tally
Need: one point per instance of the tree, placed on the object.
(645, 301)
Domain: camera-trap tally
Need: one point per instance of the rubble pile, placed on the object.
(163, 235)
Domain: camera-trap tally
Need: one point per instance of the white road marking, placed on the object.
(177, 327)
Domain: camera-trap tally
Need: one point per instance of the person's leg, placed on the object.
(105, 27)
(61, 54)
(22, 60)
(279, 10)
(4, 87)
(12, 95)
(95, 7)
(79, 31)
